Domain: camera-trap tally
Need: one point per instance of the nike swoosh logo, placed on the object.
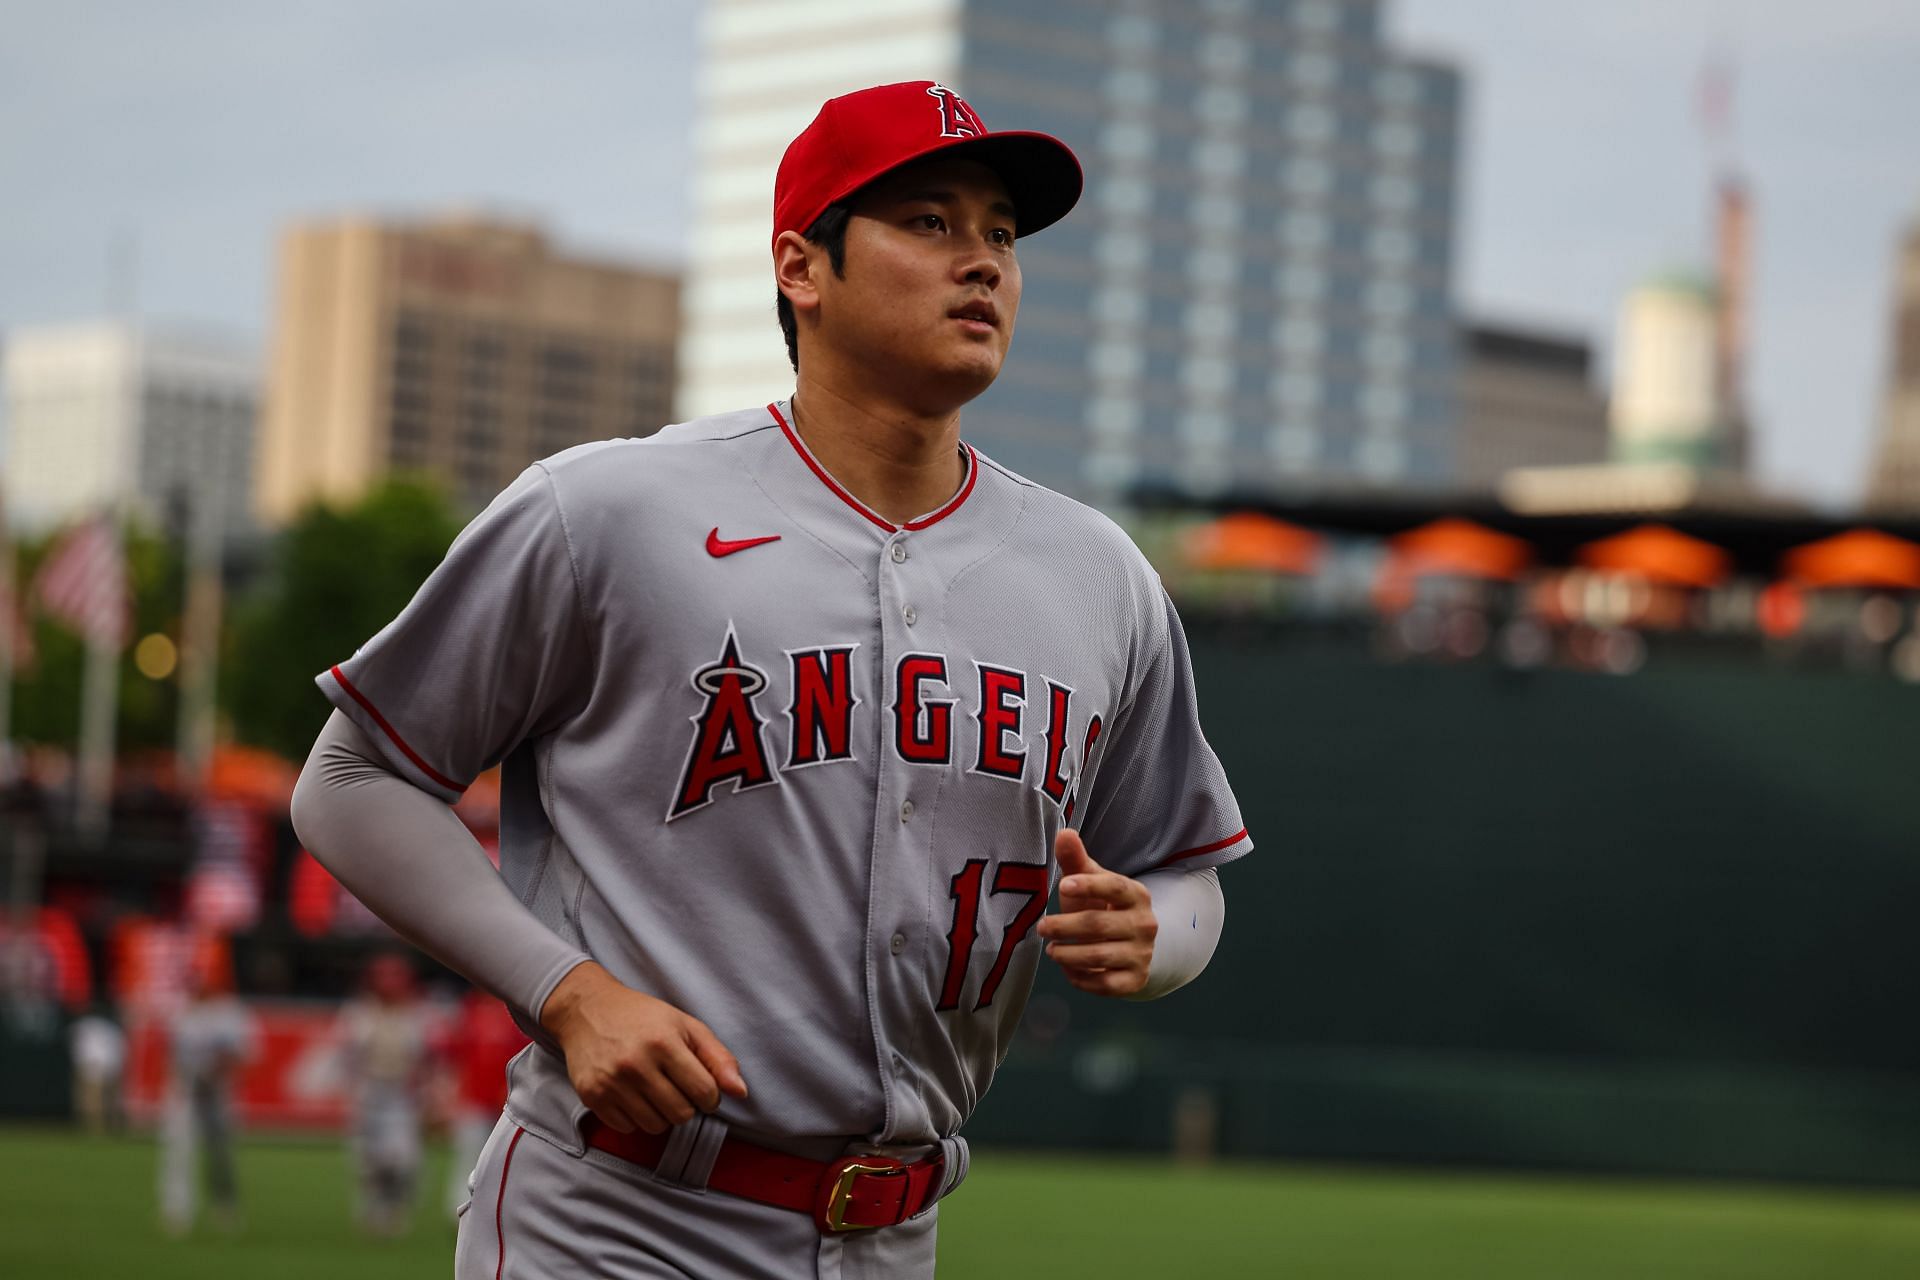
(718, 546)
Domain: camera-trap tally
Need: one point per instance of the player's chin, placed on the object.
(977, 364)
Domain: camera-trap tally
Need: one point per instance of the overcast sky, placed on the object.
(194, 128)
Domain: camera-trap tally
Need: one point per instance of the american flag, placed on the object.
(83, 582)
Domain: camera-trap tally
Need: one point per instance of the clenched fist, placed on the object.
(637, 1062)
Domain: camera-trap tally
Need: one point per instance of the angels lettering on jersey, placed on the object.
(933, 714)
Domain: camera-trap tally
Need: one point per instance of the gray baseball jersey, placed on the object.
(791, 767)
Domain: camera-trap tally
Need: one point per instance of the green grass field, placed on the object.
(73, 1208)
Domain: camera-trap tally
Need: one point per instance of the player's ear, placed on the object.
(795, 267)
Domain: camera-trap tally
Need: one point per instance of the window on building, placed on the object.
(1111, 416)
(1221, 106)
(1297, 391)
(1124, 139)
(1132, 31)
(1124, 251)
(1131, 86)
(1391, 246)
(1311, 123)
(1304, 230)
(1210, 321)
(1396, 139)
(1213, 266)
(1118, 306)
(1224, 53)
(1126, 195)
(1318, 16)
(1117, 361)
(1383, 457)
(1389, 296)
(1313, 69)
(1397, 87)
(1298, 280)
(1207, 375)
(1395, 192)
(1294, 444)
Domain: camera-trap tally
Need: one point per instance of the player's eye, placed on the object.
(931, 222)
(1001, 236)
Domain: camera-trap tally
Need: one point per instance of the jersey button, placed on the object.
(899, 553)
(911, 614)
(898, 944)
(906, 810)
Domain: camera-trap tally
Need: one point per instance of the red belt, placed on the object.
(853, 1193)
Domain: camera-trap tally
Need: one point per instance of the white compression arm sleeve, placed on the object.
(1191, 910)
(405, 854)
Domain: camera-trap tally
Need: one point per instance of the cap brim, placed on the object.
(1041, 173)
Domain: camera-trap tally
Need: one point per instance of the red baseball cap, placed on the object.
(860, 136)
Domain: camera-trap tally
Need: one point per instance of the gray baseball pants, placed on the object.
(540, 1213)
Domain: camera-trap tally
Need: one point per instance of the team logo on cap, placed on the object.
(957, 119)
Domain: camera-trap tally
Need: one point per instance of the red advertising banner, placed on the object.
(293, 1079)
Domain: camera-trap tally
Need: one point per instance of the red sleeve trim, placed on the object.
(499, 1207)
(389, 730)
(1215, 847)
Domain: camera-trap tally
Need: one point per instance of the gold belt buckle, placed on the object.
(832, 1214)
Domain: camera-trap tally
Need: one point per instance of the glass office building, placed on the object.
(1255, 292)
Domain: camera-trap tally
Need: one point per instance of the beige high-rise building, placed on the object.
(1894, 486)
(464, 348)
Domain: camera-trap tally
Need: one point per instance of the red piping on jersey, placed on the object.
(813, 464)
(499, 1206)
(391, 732)
(1215, 847)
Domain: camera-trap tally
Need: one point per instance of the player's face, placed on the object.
(932, 286)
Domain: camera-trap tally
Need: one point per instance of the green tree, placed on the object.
(46, 690)
(336, 577)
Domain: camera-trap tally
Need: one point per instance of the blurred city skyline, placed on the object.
(180, 143)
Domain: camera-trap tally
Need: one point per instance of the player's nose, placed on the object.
(978, 262)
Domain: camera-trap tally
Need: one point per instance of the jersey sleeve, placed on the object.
(1157, 795)
(490, 652)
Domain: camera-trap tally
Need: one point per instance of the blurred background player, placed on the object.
(208, 1040)
(385, 1039)
(99, 1049)
(479, 1040)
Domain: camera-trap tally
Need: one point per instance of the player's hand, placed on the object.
(1102, 936)
(637, 1062)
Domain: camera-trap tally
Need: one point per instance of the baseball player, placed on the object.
(803, 712)
(208, 1038)
(384, 1038)
(475, 1047)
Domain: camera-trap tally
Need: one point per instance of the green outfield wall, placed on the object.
(1656, 922)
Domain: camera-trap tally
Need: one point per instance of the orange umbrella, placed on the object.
(1249, 540)
(1857, 558)
(251, 774)
(479, 804)
(1659, 554)
(1459, 548)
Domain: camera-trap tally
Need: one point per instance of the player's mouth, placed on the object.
(979, 316)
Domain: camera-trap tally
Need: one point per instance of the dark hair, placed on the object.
(829, 231)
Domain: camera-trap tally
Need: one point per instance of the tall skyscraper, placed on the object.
(122, 416)
(1256, 288)
(1895, 483)
(464, 349)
